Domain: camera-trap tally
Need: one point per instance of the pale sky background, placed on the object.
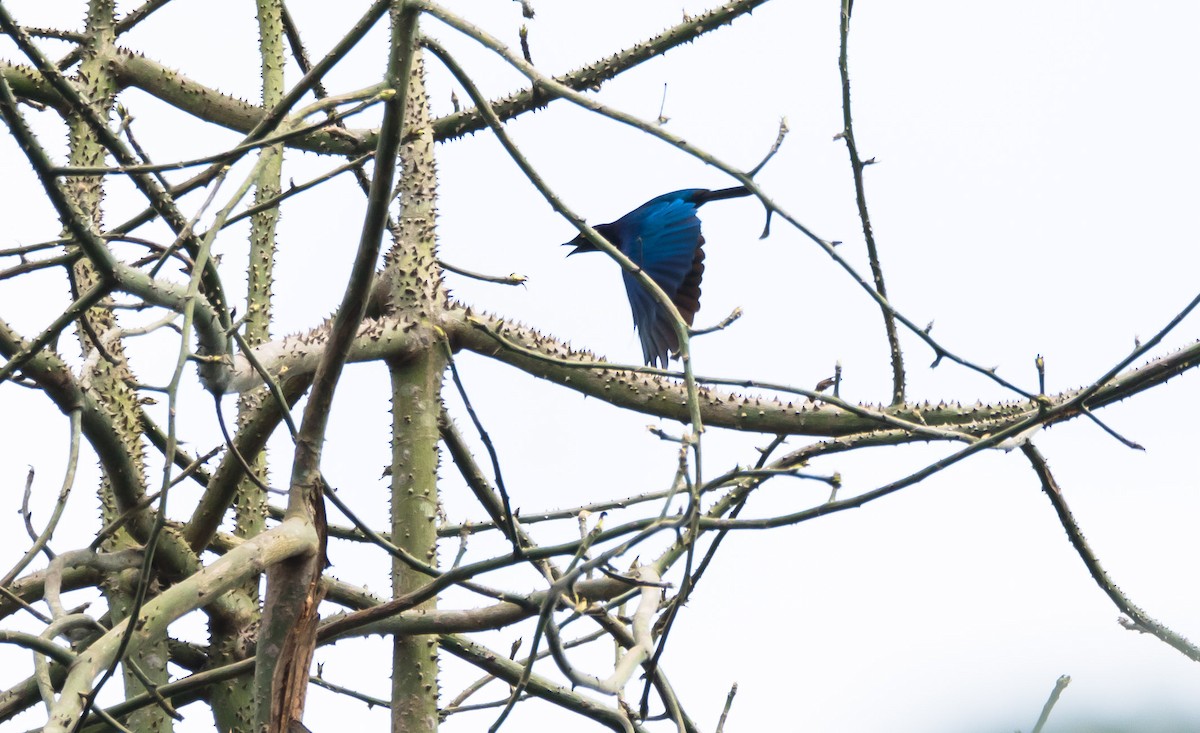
(1034, 194)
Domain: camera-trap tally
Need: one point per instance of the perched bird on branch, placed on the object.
(662, 236)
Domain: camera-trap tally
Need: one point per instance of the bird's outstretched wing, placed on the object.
(663, 238)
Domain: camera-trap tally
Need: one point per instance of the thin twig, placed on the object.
(1059, 686)
(725, 710)
(370, 700)
(513, 279)
(1141, 621)
(40, 541)
(485, 437)
(860, 196)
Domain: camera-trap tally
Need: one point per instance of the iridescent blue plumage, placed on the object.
(662, 236)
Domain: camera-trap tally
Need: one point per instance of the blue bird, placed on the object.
(662, 236)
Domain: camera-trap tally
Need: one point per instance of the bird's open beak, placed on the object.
(580, 244)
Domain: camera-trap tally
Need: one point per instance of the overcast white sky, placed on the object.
(1035, 193)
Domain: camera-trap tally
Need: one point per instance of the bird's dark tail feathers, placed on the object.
(724, 193)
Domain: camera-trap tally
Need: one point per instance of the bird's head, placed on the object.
(581, 243)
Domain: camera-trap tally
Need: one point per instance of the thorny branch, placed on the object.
(694, 515)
